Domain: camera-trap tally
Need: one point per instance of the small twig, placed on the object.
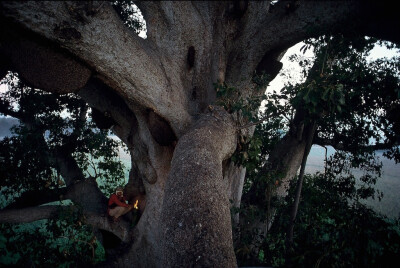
(288, 118)
(97, 9)
(323, 62)
(90, 159)
(253, 123)
(326, 160)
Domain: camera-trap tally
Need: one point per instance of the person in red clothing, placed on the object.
(117, 205)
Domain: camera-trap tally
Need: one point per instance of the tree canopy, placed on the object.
(54, 146)
(346, 96)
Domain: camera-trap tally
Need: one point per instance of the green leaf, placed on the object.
(325, 94)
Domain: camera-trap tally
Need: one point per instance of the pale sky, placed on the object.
(279, 81)
(294, 68)
(3, 88)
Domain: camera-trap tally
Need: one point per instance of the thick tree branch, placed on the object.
(31, 214)
(26, 215)
(120, 229)
(183, 19)
(23, 52)
(66, 165)
(339, 145)
(80, 190)
(378, 19)
(82, 31)
(37, 197)
(101, 40)
(278, 27)
(126, 125)
(101, 97)
(154, 16)
(191, 36)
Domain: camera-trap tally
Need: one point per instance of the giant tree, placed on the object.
(160, 94)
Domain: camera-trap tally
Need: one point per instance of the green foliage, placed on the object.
(248, 152)
(63, 242)
(353, 96)
(231, 99)
(318, 98)
(353, 101)
(224, 95)
(332, 229)
(274, 118)
(330, 204)
(261, 81)
(349, 94)
(228, 97)
(51, 126)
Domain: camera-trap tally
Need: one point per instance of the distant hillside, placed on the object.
(5, 124)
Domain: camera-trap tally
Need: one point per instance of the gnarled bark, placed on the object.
(165, 84)
(196, 205)
(31, 214)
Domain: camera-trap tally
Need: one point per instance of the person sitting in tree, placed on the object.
(117, 205)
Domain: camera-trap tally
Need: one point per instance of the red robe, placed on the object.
(116, 201)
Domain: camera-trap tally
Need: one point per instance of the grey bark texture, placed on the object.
(161, 102)
(196, 206)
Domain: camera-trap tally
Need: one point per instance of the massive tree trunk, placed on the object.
(200, 192)
(159, 93)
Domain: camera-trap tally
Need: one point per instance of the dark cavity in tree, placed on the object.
(191, 56)
(160, 129)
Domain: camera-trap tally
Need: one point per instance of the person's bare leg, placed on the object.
(119, 211)
(115, 213)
